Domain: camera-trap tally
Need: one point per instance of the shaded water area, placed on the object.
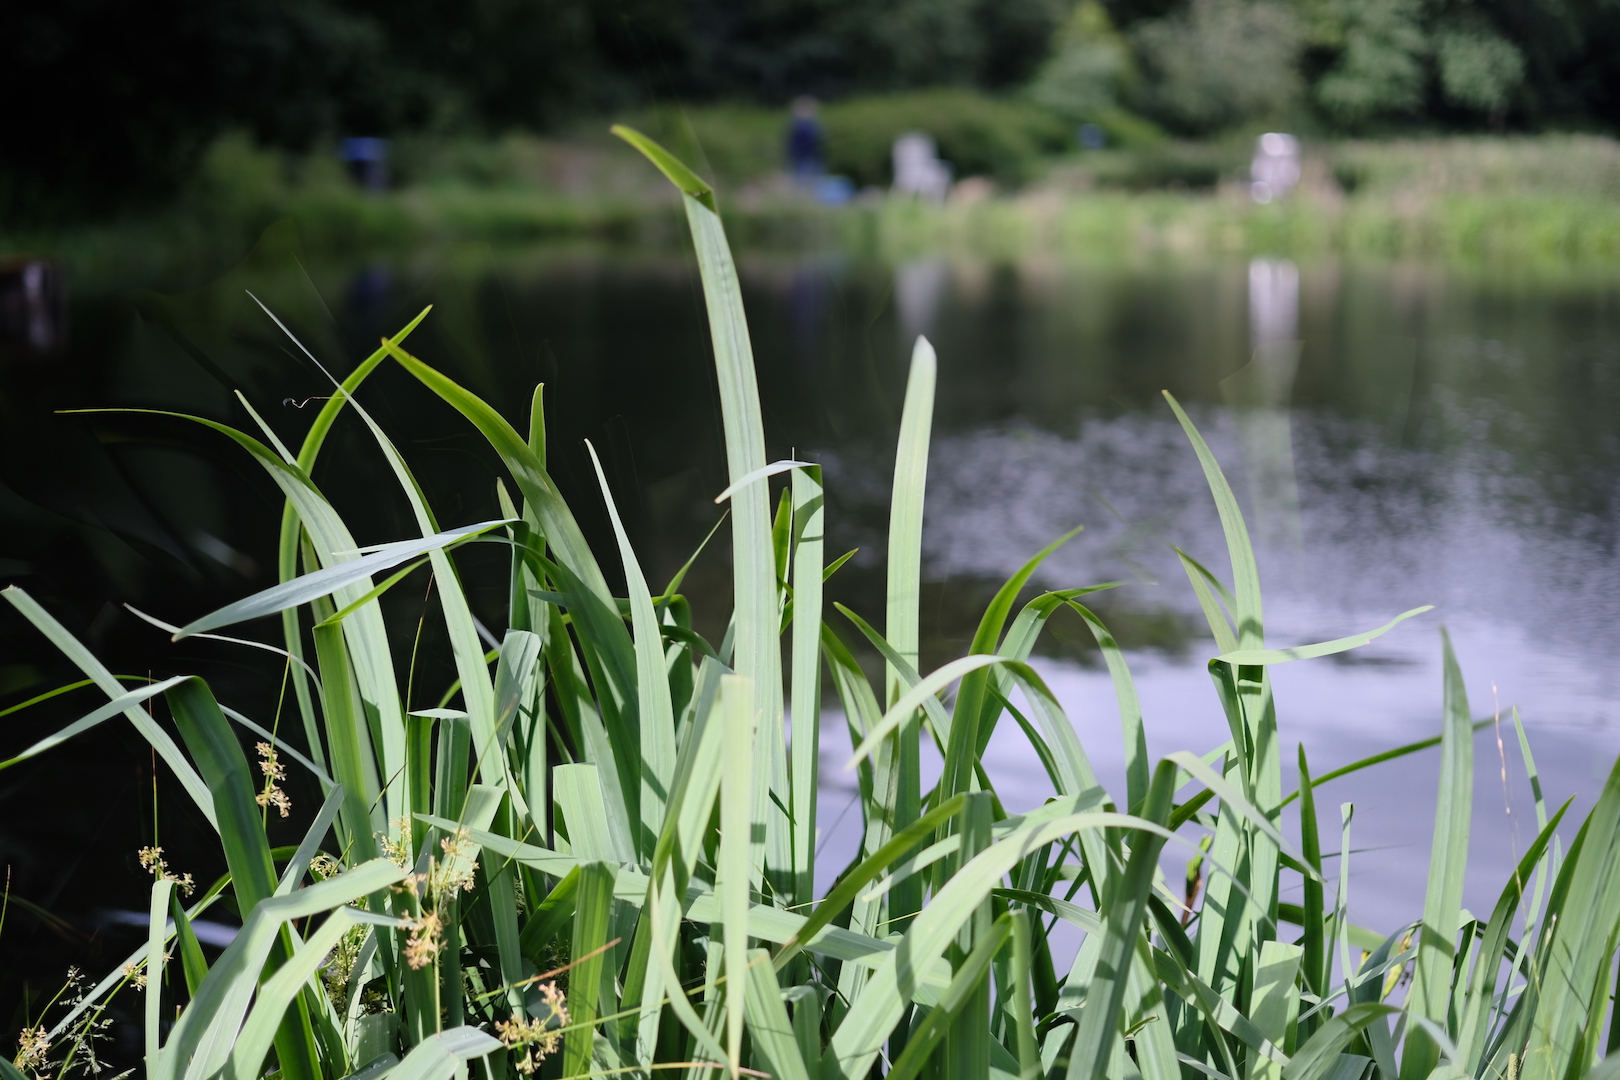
(1398, 434)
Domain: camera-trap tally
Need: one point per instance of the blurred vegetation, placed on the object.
(122, 100)
(1475, 199)
(980, 135)
(120, 103)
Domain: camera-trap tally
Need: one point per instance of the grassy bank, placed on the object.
(1549, 199)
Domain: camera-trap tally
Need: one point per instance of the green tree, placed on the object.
(1091, 66)
(1218, 63)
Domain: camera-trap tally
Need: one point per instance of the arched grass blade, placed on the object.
(83, 659)
(119, 704)
(1245, 572)
(324, 582)
(1326, 648)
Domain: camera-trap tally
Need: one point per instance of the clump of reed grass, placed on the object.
(607, 786)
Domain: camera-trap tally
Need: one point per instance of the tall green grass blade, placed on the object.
(903, 595)
(192, 960)
(1474, 1021)
(1317, 961)
(809, 527)
(906, 516)
(758, 654)
(1023, 1003)
(1202, 582)
(81, 657)
(1274, 1006)
(733, 873)
(277, 993)
(1583, 922)
(871, 1017)
(689, 183)
(1448, 863)
(1245, 573)
(768, 1024)
(1137, 768)
(592, 920)
(353, 765)
(656, 718)
(1127, 911)
(220, 760)
(557, 521)
(971, 721)
(156, 935)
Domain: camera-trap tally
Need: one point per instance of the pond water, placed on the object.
(1398, 434)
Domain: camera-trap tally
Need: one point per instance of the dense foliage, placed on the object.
(594, 853)
(116, 101)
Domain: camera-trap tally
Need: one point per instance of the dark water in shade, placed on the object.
(1442, 436)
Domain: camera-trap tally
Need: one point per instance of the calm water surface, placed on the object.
(1399, 435)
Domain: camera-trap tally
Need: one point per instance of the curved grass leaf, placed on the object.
(1321, 1051)
(82, 658)
(253, 1041)
(106, 712)
(1326, 648)
(671, 166)
(201, 1040)
(1245, 573)
(440, 1056)
(761, 473)
(873, 1015)
(324, 582)
(937, 1024)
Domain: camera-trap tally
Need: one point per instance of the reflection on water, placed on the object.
(1260, 394)
(1399, 435)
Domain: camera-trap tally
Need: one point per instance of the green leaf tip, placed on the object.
(671, 166)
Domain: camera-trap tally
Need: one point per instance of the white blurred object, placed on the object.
(918, 169)
(1275, 169)
(1273, 303)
